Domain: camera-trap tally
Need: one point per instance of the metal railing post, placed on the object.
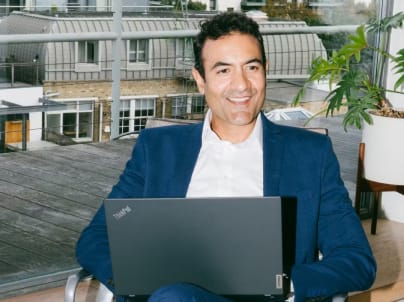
(116, 69)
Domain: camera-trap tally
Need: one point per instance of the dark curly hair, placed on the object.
(221, 25)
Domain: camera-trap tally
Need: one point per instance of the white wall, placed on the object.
(223, 5)
(27, 97)
(392, 205)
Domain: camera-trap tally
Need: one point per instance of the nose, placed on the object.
(240, 80)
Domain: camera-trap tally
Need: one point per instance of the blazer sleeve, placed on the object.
(347, 262)
(92, 249)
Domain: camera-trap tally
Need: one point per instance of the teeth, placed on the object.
(239, 100)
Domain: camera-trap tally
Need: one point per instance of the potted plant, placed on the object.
(363, 95)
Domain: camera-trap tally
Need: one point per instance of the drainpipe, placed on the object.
(100, 125)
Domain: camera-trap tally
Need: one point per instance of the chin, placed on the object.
(244, 118)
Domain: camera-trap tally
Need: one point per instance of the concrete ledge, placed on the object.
(34, 284)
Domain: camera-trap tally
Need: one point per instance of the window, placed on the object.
(76, 121)
(212, 5)
(133, 114)
(184, 52)
(198, 104)
(124, 117)
(184, 105)
(179, 106)
(88, 51)
(87, 56)
(138, 53)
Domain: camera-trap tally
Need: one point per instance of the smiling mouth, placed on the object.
(239, 100)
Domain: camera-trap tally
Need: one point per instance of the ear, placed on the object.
(267, 67)
(200, 82)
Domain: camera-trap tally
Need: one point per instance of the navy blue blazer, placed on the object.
(296, 162)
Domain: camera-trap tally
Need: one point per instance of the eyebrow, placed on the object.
(221, 63)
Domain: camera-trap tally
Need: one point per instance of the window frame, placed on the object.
(69, 104)
(87, 66)
(184, 53)
(141, 65)
(132, 107)
(190, 99)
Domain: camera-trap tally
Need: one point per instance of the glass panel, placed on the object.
(85, 121)
(91, 52)
(138, 51)
(70, 106)
(179, 107)
(188, 49)
(139, 124)
(82, 52)
(124, 115)
(142, 51)
(124, 121)
(144, 108)
(86, 106)
(132, 51)
(69, 124)
(53, 123)
(198, 104)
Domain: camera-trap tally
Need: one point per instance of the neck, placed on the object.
(233, 133)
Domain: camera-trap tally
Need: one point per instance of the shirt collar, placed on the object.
(208, 136)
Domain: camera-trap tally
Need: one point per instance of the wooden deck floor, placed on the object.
(48, 196)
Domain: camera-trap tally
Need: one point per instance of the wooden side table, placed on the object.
(363, 185)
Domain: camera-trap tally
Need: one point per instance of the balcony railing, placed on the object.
(117, 37)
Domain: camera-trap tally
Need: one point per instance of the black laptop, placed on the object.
(241, 248)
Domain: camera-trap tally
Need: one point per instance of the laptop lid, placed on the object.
(231, 246)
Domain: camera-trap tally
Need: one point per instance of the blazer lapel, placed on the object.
(273, 150)
(186, 157)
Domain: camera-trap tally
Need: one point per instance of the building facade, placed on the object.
(155, 73)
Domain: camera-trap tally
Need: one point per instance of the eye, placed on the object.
(253, 67)
(223, 70)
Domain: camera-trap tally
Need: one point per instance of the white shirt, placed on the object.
(224, 169)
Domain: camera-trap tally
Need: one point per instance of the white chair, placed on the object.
(103, 293)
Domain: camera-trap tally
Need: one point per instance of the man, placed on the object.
(238, 152)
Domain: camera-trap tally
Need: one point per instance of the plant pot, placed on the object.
(384, 150)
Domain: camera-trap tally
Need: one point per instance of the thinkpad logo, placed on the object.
(122, 212)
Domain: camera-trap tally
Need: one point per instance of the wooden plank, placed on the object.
(24, 186)
(117, 153)
(73, 160)
(111, 164)
(6, 268)
(16, 257)
(69, 177)
(39, 245)
(37, 227)
(44, 213)
(71, 206)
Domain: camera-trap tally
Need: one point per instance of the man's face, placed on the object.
(234, 84)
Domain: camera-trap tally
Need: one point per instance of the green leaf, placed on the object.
(299, 96)
(387, 23)
(357, 44)
(399, 68)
